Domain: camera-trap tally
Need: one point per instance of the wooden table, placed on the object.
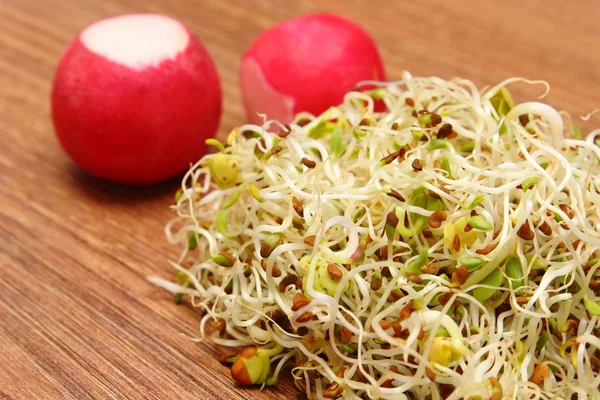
(77, 317)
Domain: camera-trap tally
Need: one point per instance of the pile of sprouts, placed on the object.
(445, 248)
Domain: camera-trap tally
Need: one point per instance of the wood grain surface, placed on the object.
(78, 320)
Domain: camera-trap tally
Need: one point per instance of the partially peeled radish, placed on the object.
(306, 64)
(135, 97)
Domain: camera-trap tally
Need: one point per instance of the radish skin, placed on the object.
(306, 64)
(134, 98)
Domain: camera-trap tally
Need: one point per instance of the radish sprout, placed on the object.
(447, 248)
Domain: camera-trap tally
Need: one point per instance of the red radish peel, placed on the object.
(135, 97)
(306, 64)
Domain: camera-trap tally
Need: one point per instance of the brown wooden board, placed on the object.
(78, 320)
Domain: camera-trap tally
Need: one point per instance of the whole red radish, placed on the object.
(134, 98)
(306, 64)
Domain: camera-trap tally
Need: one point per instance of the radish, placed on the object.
(306, 64)
(134, 98)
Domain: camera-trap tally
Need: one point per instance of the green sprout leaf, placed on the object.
(557, 217)
(480, 223)
(467, 147)
(478, 199)
(415, 265)
(178, 297)
(441, 332)
(416, 134)
(537, 264)
(337, 145)
(359, 134)
(224, 259)
(502, 102)
(577, 131)
(271, 381)
(471, 263)
(181, 277)
(424, 119)
(446, 167)
(520, 351)
(378, 93)
(349, 348)
(528, 183)
(436, 144)
(322, 129)
(216, 143)
(178, 195)
(255, 192)
(324, 282)
(591, 306)
(233, 199)
(420, 198)
(221, 222)
(541, 341)
(514, 270)
(183, 280)
(494, 279)
(192, 241)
